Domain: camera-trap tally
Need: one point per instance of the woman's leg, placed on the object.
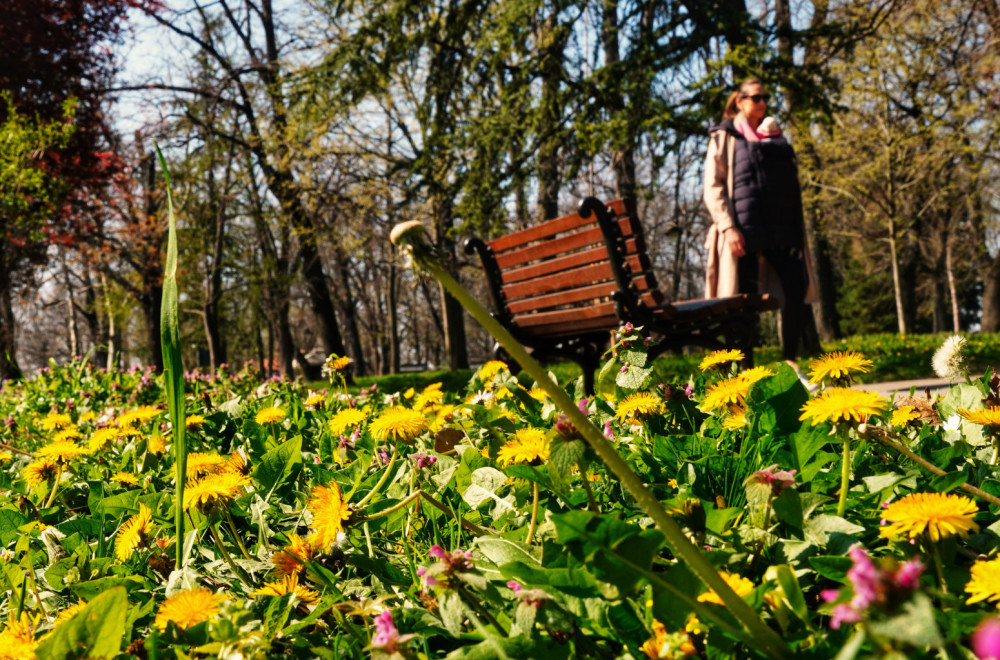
(789, 265)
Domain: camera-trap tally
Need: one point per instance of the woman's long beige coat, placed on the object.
(721, 274)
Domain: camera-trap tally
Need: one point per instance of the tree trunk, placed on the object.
(956, 321)
(349, 314)
(622, 155)
(393, 321)
(551, 112)
(9, 369)
(990, 321)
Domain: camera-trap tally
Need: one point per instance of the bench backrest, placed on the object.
(557, 278)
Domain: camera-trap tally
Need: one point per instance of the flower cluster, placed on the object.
(449, 566)
(872, 588)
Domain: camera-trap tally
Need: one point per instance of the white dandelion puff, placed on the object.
(949, 359)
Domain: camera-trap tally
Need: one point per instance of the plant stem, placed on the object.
(845, 477)
(55, 488)
(591, 502)
(534, 513)
(236, 535)
(395, 507)
(761, 636)
(240, 573)
(381, 481)
(474, 603)
(938, 567)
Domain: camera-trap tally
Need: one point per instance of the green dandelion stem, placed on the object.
(476, 606)
(410, 236)
(381, 481)
(236, 535)
(935, 552)
(591, 502)
(55, 488)
(534, 513)
(240, 573)
(395, 507)
(845, 478)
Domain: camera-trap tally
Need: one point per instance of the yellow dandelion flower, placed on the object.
(54, 421)
(314, 400)
(938, 515)
(538, 394)
(17, 641)
(903, 415)
(156, 444)
(528, 445)
(985, 582)
(837, 365)
(287, 585)
(399, 423)
(735, 420)
(664, 645)
(756, 374)
(194, 421)
(136, 416)
(189, 608)
(88, 416)
(269, 415)
(736, 582)
(345, 419)
(725, 394)
(68, 433)
(987, 417)
(134, 534)
(329, 511)
(338, 363)
(639, 407)
(69, 612)
(430, 398)
(202, 463)
(61, 450)
(41, 471)
(6, 456)
(491, 369)
(101, 438)
(237, 462)
(843, 404)
(443, 415)
(214, 491)
(722, 357)
(288, 561)
(408, 394)
(125, 479)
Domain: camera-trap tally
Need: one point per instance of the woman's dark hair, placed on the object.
(731, 108)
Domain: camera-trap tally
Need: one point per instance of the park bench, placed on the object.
(562, 286)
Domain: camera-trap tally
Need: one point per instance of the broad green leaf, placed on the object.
(832, 568)
(279, 465)
(503, 551)
(89, 590)
(96, 631)
(948, 482)
(914, 624)
(10, 520)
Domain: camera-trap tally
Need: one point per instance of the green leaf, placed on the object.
(792, 592)
(279, 465)
(633, 357)
(96, 631)
(880, 482)
(831, 567)
(502, 551)
(633, 377)
(914, 625)
(10, 520)
(950, 481)
(91, 589)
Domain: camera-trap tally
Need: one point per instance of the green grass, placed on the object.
(895, 358)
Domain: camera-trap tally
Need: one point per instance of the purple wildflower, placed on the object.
(386, 636)
(423, 460)
(874, 588)
(778, 480)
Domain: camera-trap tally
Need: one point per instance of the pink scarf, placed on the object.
(741, 124)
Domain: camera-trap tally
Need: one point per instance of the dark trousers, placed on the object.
(790, 266)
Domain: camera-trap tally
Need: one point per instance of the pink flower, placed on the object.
(423, 460)
(873, 588)
(386, 636)
(778, 480)
(986, 639)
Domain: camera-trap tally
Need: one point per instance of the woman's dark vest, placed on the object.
(766, 194)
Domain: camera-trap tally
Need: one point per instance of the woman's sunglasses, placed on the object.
(757, 98)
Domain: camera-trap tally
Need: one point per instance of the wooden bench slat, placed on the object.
(540, 232)
(582, 276)
(577, 315)
(556, 264)
(564, 244)
(575, 295)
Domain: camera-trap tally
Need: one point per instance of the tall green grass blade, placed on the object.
(170, 340)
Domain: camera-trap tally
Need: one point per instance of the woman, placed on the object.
(753, 196)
